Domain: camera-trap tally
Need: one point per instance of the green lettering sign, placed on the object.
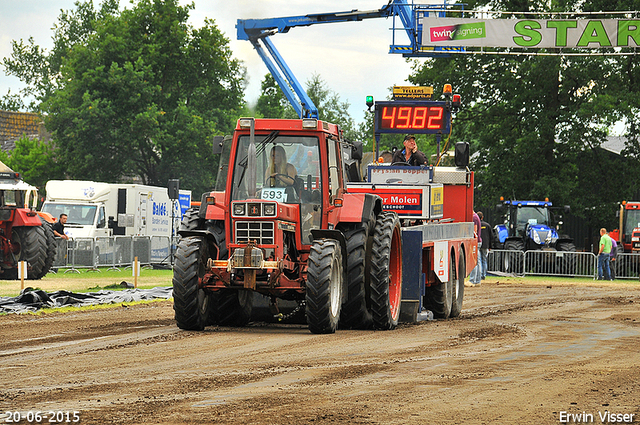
(594, 33)
(628, 29)
(561, 30)
(529, 37)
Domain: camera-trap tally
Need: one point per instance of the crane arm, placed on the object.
(258, 31)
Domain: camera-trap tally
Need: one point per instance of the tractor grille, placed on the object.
(259, 231)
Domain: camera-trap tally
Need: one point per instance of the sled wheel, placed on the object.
(458, 285)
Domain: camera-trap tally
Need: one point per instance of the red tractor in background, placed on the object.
(24, 234)
(627, 235)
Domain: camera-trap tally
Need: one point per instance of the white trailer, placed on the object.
(97, 209)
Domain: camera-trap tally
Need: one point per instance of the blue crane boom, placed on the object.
(258, 32)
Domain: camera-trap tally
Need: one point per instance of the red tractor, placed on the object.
(283, 223)
(289, 235)
(24, 235)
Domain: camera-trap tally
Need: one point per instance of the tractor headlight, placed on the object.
(536, 237)
(270, 209)
(239, 208)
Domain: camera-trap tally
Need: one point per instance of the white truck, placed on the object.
(96, 209)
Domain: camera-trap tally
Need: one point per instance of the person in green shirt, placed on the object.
(604, 272)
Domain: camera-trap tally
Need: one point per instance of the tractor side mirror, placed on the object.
(217, 144)
(567, 209)
(356, 151)
(462, 154)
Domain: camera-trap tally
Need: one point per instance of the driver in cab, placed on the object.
(410, 155)
(279, 173)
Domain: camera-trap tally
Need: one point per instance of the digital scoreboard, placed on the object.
(416, 117)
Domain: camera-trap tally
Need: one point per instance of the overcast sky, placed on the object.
(352, 57)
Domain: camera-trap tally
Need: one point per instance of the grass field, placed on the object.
(88, 281)
(91, 281)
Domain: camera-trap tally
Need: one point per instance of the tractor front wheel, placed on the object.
(191, 303)
(325, 279)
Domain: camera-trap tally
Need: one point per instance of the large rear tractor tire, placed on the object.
(386, 271)
(439, 298)
(566, 264)
(233, 307)
(190, 220)
(355, 311)
(325, 280)
(33, 249)
(52, 248)
(192, 304)
(458, 286)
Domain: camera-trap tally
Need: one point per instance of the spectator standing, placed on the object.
(612, 258)
(604, 253)
(476, 274)
(486, 234)
(58, 227)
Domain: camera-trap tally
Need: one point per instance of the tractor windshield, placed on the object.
(287, 169)
(532, 215)
(631, 221)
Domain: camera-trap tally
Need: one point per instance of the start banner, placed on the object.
(531, 33)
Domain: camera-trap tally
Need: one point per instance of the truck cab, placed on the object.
(83, 203)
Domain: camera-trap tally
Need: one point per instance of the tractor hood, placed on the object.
(542, 234)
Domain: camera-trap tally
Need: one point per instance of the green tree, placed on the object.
(272, 102)
(536, 123)
(35, 160)
(135, 94)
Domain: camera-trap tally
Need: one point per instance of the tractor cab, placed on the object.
(527, 225)
(278, 172)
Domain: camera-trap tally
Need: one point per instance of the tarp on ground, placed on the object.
(34, 299)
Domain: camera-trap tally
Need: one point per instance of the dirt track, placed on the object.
(520, 354)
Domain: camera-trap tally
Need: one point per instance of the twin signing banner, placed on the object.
(531, 33)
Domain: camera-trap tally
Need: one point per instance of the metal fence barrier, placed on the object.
(506, 261)
(114, 252)
(547, 263)
(626, 266)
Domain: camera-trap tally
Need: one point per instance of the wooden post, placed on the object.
(22, 273)
(136, 272)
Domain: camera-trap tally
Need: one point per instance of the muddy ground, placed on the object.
(519, 354)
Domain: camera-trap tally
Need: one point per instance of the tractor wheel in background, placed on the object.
(513, 260)
(191, 303)
(386, 271)
(33, 247)
(567, 263)
(355, 312)
(190, 220)
(458, 285)
(439, 298)
(325, 280)
(233, 307)
(51, 248)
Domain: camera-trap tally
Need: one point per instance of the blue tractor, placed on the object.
(531, 225)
